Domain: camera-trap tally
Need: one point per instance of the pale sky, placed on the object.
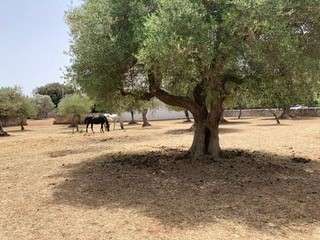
(33, 38)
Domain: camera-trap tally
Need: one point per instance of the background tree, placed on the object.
(13, 105)
(283, 94)
(144, 107)
(317, 97)
(207, 47)
(56, 91)
(292, 77)
(178, 109)
(240, 98)
(117, 104)
(74, 106)
(43, 104)
(132, 105)
(24, 109)
(6, 94)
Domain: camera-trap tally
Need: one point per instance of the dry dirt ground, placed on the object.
(137, 184)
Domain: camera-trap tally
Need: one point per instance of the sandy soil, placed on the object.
(136, 184)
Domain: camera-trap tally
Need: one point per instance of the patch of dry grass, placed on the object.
(136, 184)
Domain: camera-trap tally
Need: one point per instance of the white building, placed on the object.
(160, 113)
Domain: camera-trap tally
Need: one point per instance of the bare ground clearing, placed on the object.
(135, 184)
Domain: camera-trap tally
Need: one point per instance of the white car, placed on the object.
(296, 107)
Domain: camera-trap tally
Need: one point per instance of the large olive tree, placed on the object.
(160, 48)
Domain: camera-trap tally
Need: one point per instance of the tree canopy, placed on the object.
(192, 53)
(13, 104)
(75, 104)
(56, 91)
(43, 104)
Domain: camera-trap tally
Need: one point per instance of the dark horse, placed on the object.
(97, 120)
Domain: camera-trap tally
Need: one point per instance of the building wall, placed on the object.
(308, 112)
(163, 113)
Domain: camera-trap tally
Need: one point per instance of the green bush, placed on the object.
(74, 106)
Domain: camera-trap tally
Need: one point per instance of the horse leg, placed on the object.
(107, 126)
(87, 127)
(101, 128)
(92, 127)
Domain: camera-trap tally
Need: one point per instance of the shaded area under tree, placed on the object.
(253, 188)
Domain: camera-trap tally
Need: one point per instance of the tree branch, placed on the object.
(170, 99)
(141, 95)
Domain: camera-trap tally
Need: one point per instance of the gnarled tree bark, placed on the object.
(22, 125)
(206, 133)
(186, 113)
(275, 117)
(240, 113)
(205, 141)
(132, 122)
(223, 120)
(286, 114)
(145, 119)
(206, 119)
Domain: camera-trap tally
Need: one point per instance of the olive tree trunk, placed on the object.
(206, 115)
(275, 116)
(145, 119)
(186, 112)
(240, 113)
(206, 132)
(286, 114)
(22, 125)
(222, 119)
(205, 141)
(132, 122)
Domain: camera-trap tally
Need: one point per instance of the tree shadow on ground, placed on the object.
(190, 131)
(185, 122)
(233, 122)
(19, 131)
(228, 121)
(68, 152)
(273, 125)
(256, 189)
(297, 118)
(152, 127)
(242, 118)
(179, 131)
